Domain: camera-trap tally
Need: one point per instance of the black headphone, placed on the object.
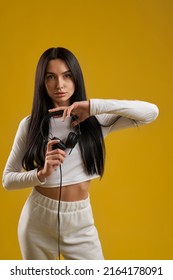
(72, 137)
(70, 142)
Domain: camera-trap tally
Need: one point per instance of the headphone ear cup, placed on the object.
(59, 145)
(72, 140)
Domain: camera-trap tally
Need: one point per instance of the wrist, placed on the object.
(41, 176)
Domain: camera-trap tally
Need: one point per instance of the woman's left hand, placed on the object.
(81, 109)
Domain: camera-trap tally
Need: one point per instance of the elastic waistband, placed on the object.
(52, 204)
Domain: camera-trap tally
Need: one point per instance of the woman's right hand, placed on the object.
(53, 158)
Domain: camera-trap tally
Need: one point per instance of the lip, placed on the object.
(60, 93)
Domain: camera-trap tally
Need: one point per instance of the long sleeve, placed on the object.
(119, 114)
(13, 176)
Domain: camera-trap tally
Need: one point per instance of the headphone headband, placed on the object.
(72, 138)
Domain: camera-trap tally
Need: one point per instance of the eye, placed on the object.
(68, 75)
(50, 77)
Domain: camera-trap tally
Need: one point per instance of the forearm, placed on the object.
(20, 180)
(141, 111)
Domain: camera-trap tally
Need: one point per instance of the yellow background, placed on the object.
(125, 49)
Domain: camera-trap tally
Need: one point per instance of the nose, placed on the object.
(59, 84)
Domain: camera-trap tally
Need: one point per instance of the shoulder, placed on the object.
(23, 125)
(25, 121)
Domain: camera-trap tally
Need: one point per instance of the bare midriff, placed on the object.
(73, 192)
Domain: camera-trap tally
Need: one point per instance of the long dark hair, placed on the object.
(91, 141)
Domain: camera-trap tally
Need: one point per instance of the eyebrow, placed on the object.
(65, 72)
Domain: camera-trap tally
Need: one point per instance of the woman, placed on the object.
(47, 225)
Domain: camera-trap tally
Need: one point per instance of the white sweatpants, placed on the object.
(38, 230)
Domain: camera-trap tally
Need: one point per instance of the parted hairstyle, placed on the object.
(91, 141)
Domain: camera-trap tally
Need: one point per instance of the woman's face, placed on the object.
(59, 82)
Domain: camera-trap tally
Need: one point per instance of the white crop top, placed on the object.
(73, 170)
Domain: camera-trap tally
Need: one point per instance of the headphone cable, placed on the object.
(59, 204)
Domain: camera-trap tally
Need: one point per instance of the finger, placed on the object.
(67, 112)
(53, 163)
(55, 159)
(76, 122)
(54, 154)
(51, 143)
(60, 108)
(64, 116)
